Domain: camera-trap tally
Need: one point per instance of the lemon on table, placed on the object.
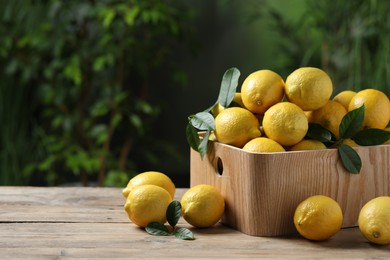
(374, 220)
(147, 203)
(329, 116)
(310, 88)
(377, 107)
(262, 89)
(308, 144)
(202, 205)
(263, 145)
(150, 177)
(318, 217)
(236, 126)
(344, 97)
(285, 123)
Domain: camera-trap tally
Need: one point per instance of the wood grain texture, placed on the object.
(263, 190)
(64, 223)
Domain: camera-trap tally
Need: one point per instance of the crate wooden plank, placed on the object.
(263, 190)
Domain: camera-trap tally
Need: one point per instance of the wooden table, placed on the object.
(62, 222)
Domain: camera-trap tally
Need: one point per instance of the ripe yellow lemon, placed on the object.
(150, 177)
(262, 89)
(308, 144)
(263, 145)
(374, 220)
(329, 116)
(236, 126)
(202, 205)
(310, 88)
(344, 97)
(147, 203)
(285, 123)
(377, 107)
(318, 217)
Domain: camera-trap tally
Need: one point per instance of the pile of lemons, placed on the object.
(274, 115)
(149, 194)
(320, 217)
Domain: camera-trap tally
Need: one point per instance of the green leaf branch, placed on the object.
(173, 215)
(350, 127)
(204, 121)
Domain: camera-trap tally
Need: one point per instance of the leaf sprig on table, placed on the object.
(173, 216)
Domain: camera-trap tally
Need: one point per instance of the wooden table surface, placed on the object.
(64, 222)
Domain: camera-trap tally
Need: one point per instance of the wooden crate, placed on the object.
(261, 191)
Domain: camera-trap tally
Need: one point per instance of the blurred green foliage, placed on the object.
(348, 39)
(78, 85)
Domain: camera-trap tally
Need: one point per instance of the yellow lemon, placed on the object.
(147, 203)
(285, 123)
(202, 205)
(310, 88)
(150, 177)
(377, 107)
(308, 144)
(329, 116)
(318, 217)
(236, 126)
(263, 145)
(374, 220)
(262, 89)
(344, 97)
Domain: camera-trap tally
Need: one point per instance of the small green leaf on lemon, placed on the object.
(319, 133)
(228, 86)
(371, 136)
(351, 122)
(350, 158)
(203, 121)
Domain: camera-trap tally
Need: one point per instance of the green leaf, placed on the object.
(203, 121)
(351, 122)
(350, 158)
(371, 136)
(157, 229)
(202, 148)
(192, 137)
(174, 213)
(184, 233)
(319, 133)
(228, 86)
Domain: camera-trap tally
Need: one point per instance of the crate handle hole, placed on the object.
(219, 166)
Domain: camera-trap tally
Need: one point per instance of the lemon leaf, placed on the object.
(192, 137)
(202, 148)
(319, 133)
(351, 122)
(157, 229)
(350, 158)
(371, 136)
(202, 121)
(184, 233)
(174, 213)
(228, 86)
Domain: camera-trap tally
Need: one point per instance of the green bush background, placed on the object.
(97, 91)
